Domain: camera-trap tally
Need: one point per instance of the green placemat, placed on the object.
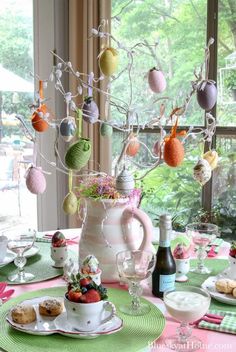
(217, 266)
(136, 334)
(40, 265)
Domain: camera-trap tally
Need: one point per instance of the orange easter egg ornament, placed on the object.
(173, 152)
(38, 123)
(133, 147)
(173, 148)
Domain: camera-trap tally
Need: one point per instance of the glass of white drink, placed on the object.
(19, 241)
(134, 266)
(202, 235)
(187, 305)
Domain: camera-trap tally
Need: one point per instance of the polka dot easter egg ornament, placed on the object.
(78, 154)
(202, 172)
(173, 148)
(156, 80)
(35, 180)
(108, 61)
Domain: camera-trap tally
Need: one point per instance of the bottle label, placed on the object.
(167, 282)
(165, 243)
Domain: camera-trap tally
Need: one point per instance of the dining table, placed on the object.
(212, 341)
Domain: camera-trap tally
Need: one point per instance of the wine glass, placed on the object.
(135, 266)
(187, 305)
(19, 242)
(202, 234)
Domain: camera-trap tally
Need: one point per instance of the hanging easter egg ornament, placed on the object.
(68, 128)
(156, 80)
(133, 146)
(90, 110)
(35, 180)
(108, 61)
(125, 182)
(202, 172)
(207, 95)
(157, 148)
(212, 157)
(40, 115)
(70, 204)
(173, 148)
(78, 154)
(106, 130)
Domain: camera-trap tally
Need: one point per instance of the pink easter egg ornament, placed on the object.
(35, 180)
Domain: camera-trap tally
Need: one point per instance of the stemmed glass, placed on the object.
(19, 242)
(187, 305)
(202, 234)
(135, 266)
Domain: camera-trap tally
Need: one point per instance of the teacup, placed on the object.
(88, 316)
(3, 247)
(59, 255)
(182, 268)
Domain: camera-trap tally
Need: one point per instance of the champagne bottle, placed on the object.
(163, 277)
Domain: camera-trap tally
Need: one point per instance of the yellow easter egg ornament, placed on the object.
(212, 157)
(70, 204)
(108, 61)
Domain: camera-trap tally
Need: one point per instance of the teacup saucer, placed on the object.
(65, 328)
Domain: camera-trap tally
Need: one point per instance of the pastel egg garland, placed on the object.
(35, 180)
(156, 80)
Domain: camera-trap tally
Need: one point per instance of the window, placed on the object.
(182, 29)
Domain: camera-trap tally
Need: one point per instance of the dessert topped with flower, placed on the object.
(82, 289)
(90, 265)
(232, 251)
(181, 252)
(104, 187)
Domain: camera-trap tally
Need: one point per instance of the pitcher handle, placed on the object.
(146, 222)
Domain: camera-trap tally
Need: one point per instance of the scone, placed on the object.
(23, 314)
(225, 285)
(51, 307)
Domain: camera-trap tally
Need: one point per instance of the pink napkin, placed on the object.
(5, 295)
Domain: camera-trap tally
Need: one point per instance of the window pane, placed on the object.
(224, 187)
(180, 28)
(226, 107)
(17, 204)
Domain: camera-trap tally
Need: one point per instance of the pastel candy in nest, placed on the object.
(78, 154)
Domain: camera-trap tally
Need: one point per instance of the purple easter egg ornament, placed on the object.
(207, 95)
(156, 80)
(90, 110)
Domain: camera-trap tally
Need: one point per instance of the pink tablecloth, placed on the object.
(213, 341)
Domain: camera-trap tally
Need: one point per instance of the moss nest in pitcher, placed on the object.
(103, 187)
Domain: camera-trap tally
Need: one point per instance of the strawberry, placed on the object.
(90, 296)
(74, 296)
(232, 251)
(85, 281)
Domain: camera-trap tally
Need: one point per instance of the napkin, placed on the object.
(227, 322)
(5, 295)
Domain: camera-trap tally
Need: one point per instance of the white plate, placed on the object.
(11, 256)
(209, 285)
(59, 325)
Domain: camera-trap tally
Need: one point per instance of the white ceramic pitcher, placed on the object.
(111, 226)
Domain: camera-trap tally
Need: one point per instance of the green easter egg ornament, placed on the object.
(70, 204)
(78, 154)
(106, 130)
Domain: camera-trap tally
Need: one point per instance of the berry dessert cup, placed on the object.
(182, 261)
(86, 304)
